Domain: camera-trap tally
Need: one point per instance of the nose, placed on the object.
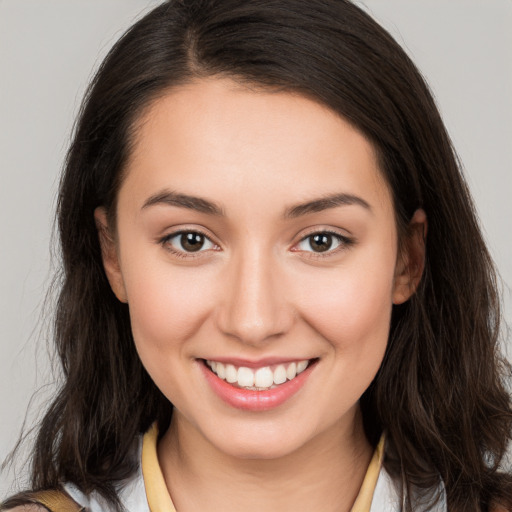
(253, 306)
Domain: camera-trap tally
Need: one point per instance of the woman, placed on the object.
(263, 224)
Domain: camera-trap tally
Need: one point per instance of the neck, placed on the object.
(325, 474)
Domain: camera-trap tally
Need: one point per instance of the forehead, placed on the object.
(215, 137)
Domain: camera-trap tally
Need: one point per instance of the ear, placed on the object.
(411, 260)
(109, 254)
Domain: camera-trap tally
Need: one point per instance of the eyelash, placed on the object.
(165, 242)
(343, 241)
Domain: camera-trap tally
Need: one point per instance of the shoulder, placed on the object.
(45, 500)
(387, 496)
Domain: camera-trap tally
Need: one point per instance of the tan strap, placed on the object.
(57, 501)
(52, 500)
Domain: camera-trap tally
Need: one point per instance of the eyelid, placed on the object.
(164, 242)
(345, 242)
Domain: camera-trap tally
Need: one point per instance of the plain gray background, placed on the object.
(48, 50)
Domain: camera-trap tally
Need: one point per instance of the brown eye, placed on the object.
(323, 242)
(191, 242)
(320, 242)
(188, 242)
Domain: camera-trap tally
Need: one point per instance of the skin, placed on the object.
(258, 289)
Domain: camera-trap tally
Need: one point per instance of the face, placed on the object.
(256, 248)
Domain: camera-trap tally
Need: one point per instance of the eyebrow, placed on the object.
(199, 204)
(202, 205)
(325, 203)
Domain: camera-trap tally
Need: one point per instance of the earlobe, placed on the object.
(109, 254)
(411, 260)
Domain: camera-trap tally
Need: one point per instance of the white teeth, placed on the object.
(245, 377)
(301, 366)
(221, 370)
(231, 374)
(279, 375)
(261, 378)
(291, 371)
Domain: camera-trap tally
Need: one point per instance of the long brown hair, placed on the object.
(440, 393)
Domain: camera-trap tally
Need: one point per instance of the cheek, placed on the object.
(352, 308)
(166, 305)
(353, 315)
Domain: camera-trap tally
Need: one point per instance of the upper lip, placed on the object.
(257, 363)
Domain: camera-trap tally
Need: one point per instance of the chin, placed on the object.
(260, 442)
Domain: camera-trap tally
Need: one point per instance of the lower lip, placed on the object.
(251, 400)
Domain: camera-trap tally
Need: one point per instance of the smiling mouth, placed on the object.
(258, 379)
